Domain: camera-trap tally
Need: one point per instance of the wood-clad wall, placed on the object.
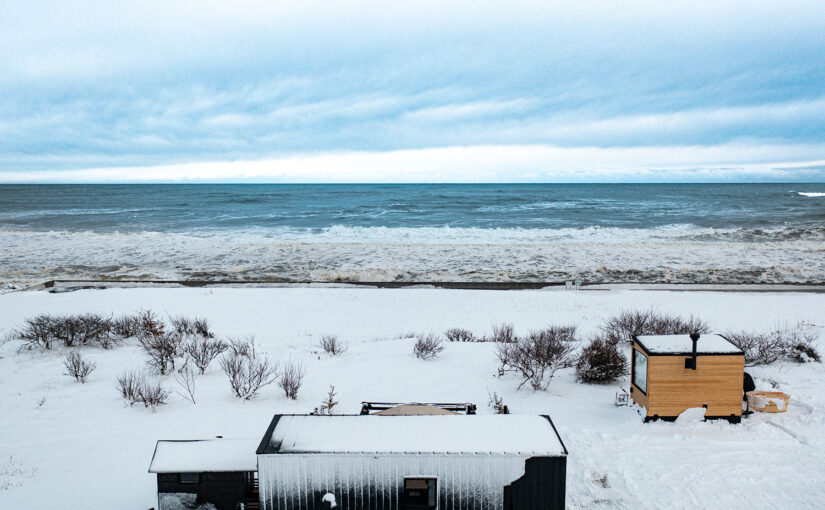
(672, 389)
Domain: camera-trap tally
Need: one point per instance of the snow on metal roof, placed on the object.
(682, 344)
(499, 434)
(207, 455)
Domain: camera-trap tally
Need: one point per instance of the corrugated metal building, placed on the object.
(442, 462)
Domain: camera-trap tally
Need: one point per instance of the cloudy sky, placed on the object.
(412, 91)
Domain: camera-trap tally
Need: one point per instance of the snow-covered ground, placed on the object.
(65, 445)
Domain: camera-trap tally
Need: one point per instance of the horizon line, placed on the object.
(391, 183)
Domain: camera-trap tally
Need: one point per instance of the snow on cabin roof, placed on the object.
(207, 455)
(682, 344)
(499, 434)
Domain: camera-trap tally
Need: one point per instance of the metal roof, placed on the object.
(435, 434)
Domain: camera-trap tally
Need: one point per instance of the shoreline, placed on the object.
(72, 285)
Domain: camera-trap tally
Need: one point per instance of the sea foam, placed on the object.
(678, 253)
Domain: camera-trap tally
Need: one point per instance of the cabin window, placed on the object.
(190, 477)
(420, 493)
(640, 370)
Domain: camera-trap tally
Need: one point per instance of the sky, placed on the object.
(412, 91)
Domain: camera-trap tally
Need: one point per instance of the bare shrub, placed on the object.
(799, 343)
(7, 337)
(242, 347)
(191, 326)
(128, 383)
(291, 377)
(600, 361)
(202, 350)
(503, 334)
(66, 330)
(538, 356)
(248, 373)
(13, 473)
(83, 329)
(427, 346)
(498, 405)
(626, 325)
(600, 480)
(43, 331)
(460, 335)
(152, 394)
(759, 348)
(126, 326)
(203, 328)
(135, 387)
(36, 333)
(108, 339)
(186, 382)
(791, 343)
(149, 324)
(78, 367)
(332, 346)
(182, 325)
(803, 352)
(328, 404)
(162, 349)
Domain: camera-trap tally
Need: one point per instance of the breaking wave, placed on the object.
(681, 253)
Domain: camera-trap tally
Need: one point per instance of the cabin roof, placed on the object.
(205, 455)
(444, 434)
(683, 345)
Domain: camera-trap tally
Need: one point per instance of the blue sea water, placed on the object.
(205, 207)
(617, 233)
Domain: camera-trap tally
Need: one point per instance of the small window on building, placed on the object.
(420, 493)
(640, 370)
(190, 477)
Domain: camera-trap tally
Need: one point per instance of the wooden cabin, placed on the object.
(400, 461)
(673, 373)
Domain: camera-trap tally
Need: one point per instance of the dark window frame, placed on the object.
(432, 490)
(189, 478)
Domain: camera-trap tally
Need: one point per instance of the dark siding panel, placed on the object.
(224, 490)
(541, 487)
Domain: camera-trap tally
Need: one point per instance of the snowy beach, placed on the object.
(71, 445)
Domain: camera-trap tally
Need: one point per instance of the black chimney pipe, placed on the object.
(691, 362)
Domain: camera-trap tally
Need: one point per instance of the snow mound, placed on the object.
(329, 498)
(694, 414)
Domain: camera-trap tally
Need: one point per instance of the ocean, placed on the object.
(598, 233)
